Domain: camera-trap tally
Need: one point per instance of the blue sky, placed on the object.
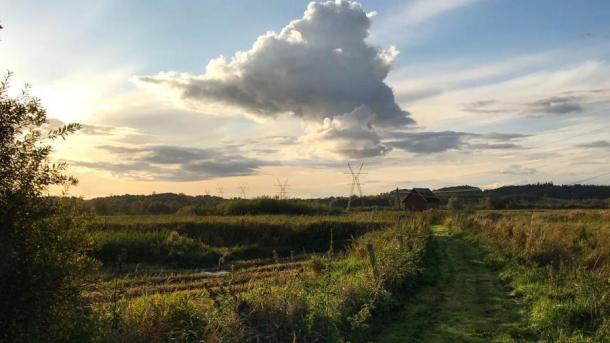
(535, 72)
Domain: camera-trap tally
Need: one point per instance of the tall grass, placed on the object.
(153, 247)
(190, 240)
(559, 261)
(333, 299)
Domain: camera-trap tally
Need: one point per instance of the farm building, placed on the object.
(420, 199)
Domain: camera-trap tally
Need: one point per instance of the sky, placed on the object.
(198, 96)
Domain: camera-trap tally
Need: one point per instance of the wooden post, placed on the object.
(291, 256)
(397, 198)
(330, 248)
(402, 242)
(373, 258)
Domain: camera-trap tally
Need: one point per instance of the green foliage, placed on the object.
(43, 252)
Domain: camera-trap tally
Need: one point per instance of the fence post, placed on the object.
(402, 242)
(373, 258)
(331, 247)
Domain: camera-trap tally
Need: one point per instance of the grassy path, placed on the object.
(461, 300)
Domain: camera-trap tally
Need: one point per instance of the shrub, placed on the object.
(43, 251)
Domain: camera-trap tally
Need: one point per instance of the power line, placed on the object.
(590, 178)
(460, 191)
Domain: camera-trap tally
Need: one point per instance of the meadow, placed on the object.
(558, 262)
(325, 295)
(309, 277)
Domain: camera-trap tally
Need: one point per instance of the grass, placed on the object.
(493, 277)
(331, 297)
(460, 298)
(189, 241)
(558, 262)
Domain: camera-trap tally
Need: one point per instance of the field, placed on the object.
(189, 241)
(511, 275)
(249, 278)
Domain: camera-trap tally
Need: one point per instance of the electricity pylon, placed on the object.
(283, 193)
(220, 189)
(242, 190)
(355, 183)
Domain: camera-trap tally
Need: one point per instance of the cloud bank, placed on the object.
(436, 142)
(175, 163)
(601, 144)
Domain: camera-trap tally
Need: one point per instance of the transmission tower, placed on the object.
(355, 183)
(206, 192)
(283, 193)
(242, 190)
(220, 189)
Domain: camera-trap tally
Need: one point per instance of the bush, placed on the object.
(43, 250)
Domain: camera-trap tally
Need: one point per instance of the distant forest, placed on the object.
(541, 195)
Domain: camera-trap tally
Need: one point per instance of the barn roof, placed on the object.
(427, 194)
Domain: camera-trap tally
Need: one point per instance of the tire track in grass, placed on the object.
(461, 299)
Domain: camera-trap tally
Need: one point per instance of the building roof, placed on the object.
(426, 193)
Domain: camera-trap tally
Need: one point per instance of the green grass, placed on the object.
(460, 299)
(558, 263)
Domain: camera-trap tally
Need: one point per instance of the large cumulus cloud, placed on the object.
(316, 67)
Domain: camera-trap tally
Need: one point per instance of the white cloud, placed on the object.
(396, 26)
(316, 67)
(423, 10)
(514, 95)
(350, 135)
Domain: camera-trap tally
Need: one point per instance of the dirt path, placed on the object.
(461, 300)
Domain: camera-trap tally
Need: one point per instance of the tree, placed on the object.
(43, 253)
